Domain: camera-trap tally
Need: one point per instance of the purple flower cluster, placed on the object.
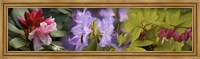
(82, 29)
(105, 26)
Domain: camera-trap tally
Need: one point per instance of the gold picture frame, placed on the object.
(5, 54)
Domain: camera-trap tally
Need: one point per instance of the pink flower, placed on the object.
(40, 36)
(168, 33)
(37, 28)
(32, 20)
(186, 35)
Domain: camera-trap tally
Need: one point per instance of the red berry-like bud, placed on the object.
(175, 35)
(162, 33)
(183, 37)
(142, 34)
(189, 32)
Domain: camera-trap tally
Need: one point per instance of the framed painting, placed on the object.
(101, 29)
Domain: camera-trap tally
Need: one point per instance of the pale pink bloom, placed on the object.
(40, 36)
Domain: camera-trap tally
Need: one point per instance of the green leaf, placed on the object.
(175, 17)
(18, 42)
(25, 48)
(189, 42)
(131, 22)
(63, 10)
(135, 49)
(172, 16)
(92, 44)
(156, 23)
(187, 47)
(135, 33)
(18, 12)
(10, 20)
(63, 21)
(12, 28)
(161, 13)
(180, 30)
(186, 20)
(168, 45)
(58, 33)
(53, 47)
(142, 43)
(140, 14)
(121, 38)
(58, 43)
(147, 13)
(178, 46)
(153, 16)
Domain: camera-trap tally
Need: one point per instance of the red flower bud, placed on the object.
(175, 35)
(168, 33)
(183, 37)
(186, 35)
(29, 19)
(22, 23)
(142, 34)
(189, 31)
(162, 33)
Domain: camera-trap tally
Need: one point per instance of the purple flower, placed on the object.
(66, 44)
(107, 14)
(122, 12)
(115, 43)
(105, 26)
(82, 29)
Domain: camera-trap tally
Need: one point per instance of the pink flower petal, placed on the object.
(32, 35)
(51, 27)
(37, 43)
(45, 38)
(49, 20)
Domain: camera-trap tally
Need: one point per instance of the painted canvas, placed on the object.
(100, 29)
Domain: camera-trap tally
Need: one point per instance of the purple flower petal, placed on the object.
(74, 41)
(123, 14)
(66, 44)
(80, 47)
(105, 26)
(107, 12)
(105, 40)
